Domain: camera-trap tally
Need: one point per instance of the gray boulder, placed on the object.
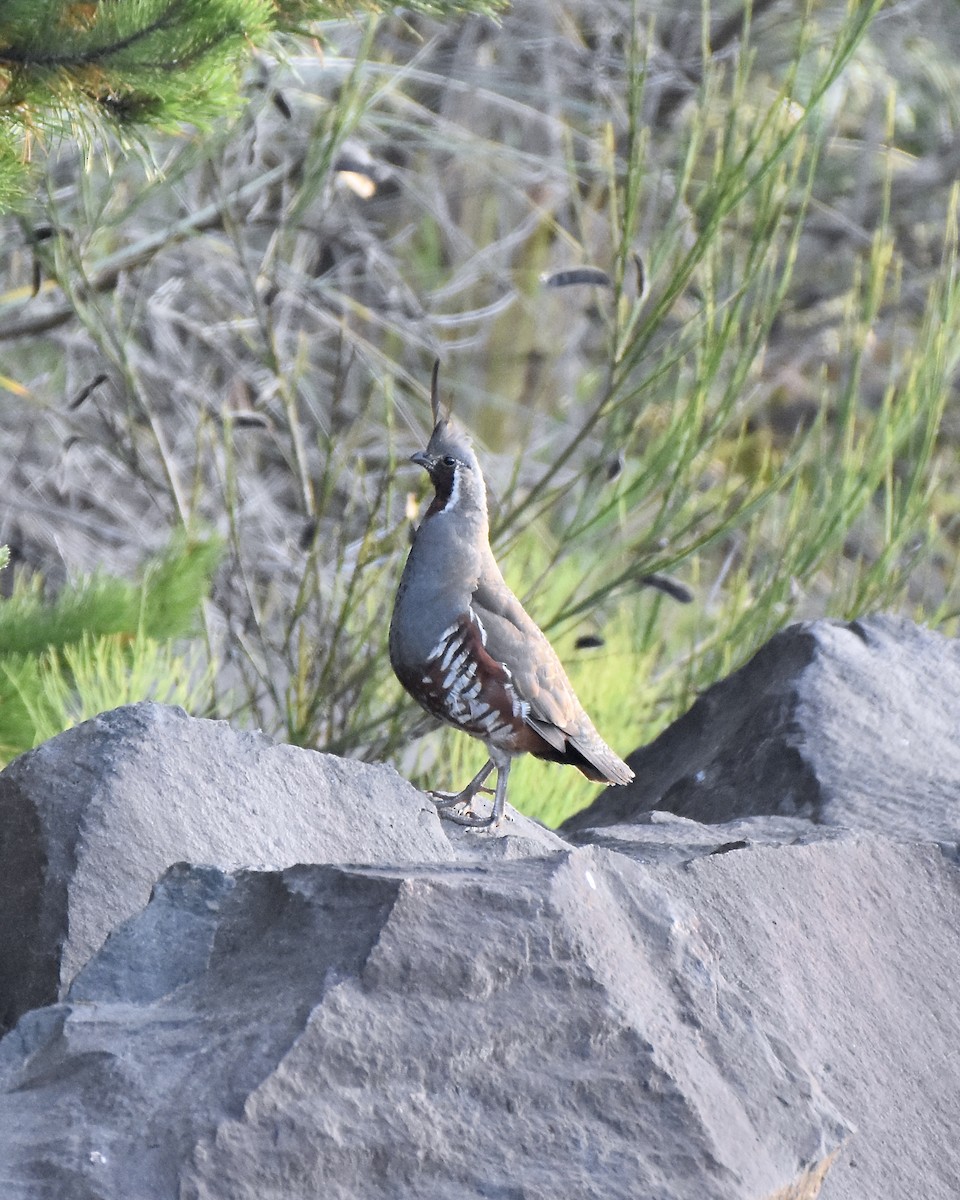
(91, 819)
(555, 1026)
(851, 724)
(850, 950)
(848, 946)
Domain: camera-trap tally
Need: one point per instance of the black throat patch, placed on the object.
(443, 477)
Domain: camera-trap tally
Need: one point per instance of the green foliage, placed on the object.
(42, 695)
(75, 69)
(164, 605)
(102, 642)
(703, 485)
(13, 169)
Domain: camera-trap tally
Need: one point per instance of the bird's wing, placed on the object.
(513, 639)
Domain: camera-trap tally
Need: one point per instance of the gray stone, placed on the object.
(91, 819)
(563, 1026)
(854, 725)
(850, 951)
(517, 837)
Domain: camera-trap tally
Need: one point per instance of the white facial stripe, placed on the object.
(454, 496)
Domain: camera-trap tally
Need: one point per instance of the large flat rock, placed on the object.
(850, 950)
(563, 1026)
(849, 724)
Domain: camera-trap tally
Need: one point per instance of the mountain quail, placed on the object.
(463, 647)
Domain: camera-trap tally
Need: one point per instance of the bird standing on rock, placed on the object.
(463, 647)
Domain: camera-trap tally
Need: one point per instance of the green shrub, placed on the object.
(101, 643)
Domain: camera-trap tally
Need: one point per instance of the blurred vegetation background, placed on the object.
(215, 357)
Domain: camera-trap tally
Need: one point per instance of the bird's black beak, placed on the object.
(422, 459)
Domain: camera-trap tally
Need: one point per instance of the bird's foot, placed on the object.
(446, 802)
(469, 818)
(449, 799)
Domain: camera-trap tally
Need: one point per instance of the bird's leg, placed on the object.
(448, 799)
(499, 799)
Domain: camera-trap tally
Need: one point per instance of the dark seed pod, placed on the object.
(578, 275)
(641, 276)
(307, 534)
(249, 418)
(588, 641)
(85, 392)
(663, 583)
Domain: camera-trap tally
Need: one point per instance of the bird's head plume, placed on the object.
(450, 461)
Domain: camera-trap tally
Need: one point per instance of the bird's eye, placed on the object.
(449, 460)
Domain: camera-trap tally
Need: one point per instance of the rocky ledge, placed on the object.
(230, 969)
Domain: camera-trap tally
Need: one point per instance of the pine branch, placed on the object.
(32, 57)
(75, 69)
